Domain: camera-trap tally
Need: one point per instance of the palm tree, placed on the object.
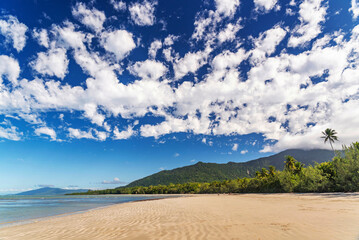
(290, 163)
(330, 135)
(272, 171)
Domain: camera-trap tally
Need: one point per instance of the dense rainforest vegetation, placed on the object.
(339, 175)
(210, 172)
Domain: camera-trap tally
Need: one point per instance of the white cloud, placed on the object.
(148, 69)
(244, 152)
(155, 46)
(102, 136)
(46, 131)
(170, 39)
(244, 107)
(118, 5)
(78, 134)
(228, 59)
(114, 181)
(229, 33)
(190, 63)
(143, 13)
(51, 63)
(41, 36)
(119, 42)
(275, 98)
(10, 68)
(311, 15)
(176, 155)
(125, 134)
(92, 113)
(354, 9)
(235, 147)
(265, 5)
(67, 37)
(267, 42)
(166, 127)
(13, 31)
(227, 7)
(92, 18)
(10, 133)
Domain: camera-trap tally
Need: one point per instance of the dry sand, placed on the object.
(248, 216)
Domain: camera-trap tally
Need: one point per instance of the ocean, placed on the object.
(16, 209)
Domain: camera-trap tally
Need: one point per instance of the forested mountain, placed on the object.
(209, 172)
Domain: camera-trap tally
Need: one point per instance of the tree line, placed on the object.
(339, 175)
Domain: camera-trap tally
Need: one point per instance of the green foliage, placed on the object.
(341, 174)
(209, 172)
(311, 179)
(346, 167)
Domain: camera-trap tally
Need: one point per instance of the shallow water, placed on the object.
(21, 208)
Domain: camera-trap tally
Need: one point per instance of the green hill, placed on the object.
(209, 172)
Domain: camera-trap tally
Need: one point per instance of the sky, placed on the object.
(96, 94)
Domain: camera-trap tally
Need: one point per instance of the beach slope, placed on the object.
(247, 216)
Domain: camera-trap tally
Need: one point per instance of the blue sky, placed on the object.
(95, 94)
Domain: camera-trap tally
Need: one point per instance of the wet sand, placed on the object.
(247, 216)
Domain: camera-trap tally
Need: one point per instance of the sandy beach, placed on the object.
(248, 216)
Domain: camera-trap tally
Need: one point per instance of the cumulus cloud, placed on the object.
(101, 135)
(41, 36)
(267, 42)
(46, 131)
(190, 63)
(227, 59)
(114, 181)
(244, 152)
(92, 18)
(67, 37)
(13, 31)
(142, 14)
(92, 113)
(9, 68)
(288, 98)
(170, 39)
(78, 134)
(118, 5)
(118, 42)
(155, 46)
(235, 147)
(229, 33)
(227, 7)
(10, 133)
(51, 63)
(148, 69)
(265, 5)
(311, 15)
(354, 9)
(125, 134)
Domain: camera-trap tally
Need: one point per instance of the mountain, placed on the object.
(48, 191)
(209, 172)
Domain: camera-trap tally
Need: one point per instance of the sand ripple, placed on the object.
(249, 216)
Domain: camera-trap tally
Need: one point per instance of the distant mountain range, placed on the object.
(49, 191)
(209, 172)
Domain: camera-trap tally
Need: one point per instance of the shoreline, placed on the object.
(35, 220)
(224, 216)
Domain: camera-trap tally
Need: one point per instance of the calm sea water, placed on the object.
(21, 208)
